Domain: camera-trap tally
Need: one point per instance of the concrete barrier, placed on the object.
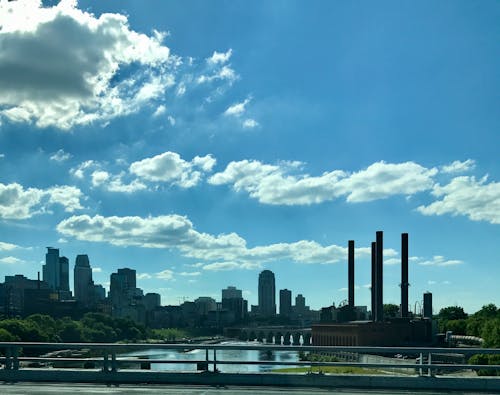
(253, 379)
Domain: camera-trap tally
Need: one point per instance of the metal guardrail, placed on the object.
(109, 359)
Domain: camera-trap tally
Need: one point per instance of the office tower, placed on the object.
(151, 301)
(122, 287)
(130, 277)
(232, 300)
(267, 294)
(404, 275)
(64, 274)
(350, 270)
(231, 292)
(82, 277)
(300, 304)
(285, 303)
(52, 268)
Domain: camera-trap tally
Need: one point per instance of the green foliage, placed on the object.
(391, 310)
(6, 336)
(486, 359)
(452, 313)
(485, 323)
(169, 334)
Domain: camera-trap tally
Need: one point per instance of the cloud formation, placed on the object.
(170, 167)
(16, 202)
(59, 66)
(60, 156)
(476, 199)
(223, 251)
(458, 166)
(277, 184)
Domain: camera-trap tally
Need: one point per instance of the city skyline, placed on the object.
(200, 157)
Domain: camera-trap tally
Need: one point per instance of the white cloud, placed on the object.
(117, 185)
(189, 274)
(160, 110)
(16, 202)
(144, 276)
(478, 200)
(220, 57)
(11, 260)
(79, 171)
(170, 167)
(8, 246)
(58, 66)
(96, 270)
(381, 180)
(250, 123)
(99, 177)
(60, 156)
(237, 109)
(224, 251)
(274, 184)
(439, 260)
(2, 155)
(67, 196)
(459, 167)
(165, 275)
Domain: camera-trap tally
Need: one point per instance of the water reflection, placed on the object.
(224, 355)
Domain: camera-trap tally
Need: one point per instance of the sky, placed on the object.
(203, 142)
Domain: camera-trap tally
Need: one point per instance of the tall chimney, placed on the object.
(379, 276)
(38, 282)
(374, 280)
(404, 275)
(350, 273)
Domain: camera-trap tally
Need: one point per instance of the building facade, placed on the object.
(267, 294)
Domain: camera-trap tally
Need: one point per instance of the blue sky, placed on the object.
(201, 142)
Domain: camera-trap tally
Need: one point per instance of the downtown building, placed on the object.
(267, 294)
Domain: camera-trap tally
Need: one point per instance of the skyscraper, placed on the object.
(64, 274)
(52, 268)
(267, 294)
(285, 303)
(232, 300)
(83, 280)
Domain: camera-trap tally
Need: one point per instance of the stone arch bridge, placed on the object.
(285, 335)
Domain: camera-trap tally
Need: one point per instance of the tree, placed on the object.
(391, 310)
(452, 313)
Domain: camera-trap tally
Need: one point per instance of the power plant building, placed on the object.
(380, 331)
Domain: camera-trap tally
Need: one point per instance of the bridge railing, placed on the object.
(109, 357)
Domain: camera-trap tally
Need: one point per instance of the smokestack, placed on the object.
(38, 283)
(374, 279)
(350, 273)
(379, 277)
(404, 275)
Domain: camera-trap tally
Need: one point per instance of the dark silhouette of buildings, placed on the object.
(285, 303)
(267, 294)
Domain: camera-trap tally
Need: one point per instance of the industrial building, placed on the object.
(345, 330)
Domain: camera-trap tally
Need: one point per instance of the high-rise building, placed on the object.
(231, 292)
(232, 300)
(52, 268)
(267, 294)
(64, 274)
(300, 307)
(122, 287)
(285, 303)
(83, 284)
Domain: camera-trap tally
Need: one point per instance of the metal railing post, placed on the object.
(114, 365)
(8, 360)
(15, 360)
(429, 362)
(421, 363)
(105, 364)
(215, 360)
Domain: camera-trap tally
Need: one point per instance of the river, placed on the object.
(224, 355)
